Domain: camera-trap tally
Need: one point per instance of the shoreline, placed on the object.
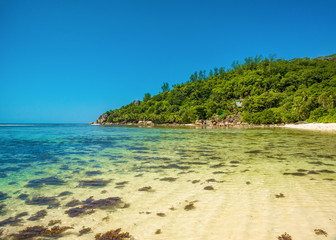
(330, 127)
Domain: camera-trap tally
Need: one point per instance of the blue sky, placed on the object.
(69, 61)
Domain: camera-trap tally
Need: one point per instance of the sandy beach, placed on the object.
(313, 126)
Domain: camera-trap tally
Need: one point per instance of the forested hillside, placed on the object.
(273, 90)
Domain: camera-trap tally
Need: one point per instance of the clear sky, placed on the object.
(70, 61)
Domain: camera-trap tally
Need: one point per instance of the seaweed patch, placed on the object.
(23, 196)
(54, 222)
(36, 231)
(38, 215)
(168, 179)
(113, 235)
(37, 183)
(65, 193)
(160, 214)
(189, 206)
(285, 236)
(12, 221)
(296, 174)
(90, 204)
(320, 232)
(84, 230)
(280, 195)
(94, 183)
(52, 202)
(3, 196)
(93, 173)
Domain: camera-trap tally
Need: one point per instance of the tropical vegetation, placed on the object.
(272, 90)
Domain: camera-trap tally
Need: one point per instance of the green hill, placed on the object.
(271, 91)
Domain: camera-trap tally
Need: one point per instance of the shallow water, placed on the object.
(244, 170)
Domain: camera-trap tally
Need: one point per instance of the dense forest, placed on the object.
(272, 91)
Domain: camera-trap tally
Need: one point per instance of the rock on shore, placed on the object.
(101, 120)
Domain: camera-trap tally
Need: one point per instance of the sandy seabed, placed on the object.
(251, 184)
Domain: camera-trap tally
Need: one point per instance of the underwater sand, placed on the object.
(246, 169)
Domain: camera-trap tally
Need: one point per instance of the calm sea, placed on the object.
(263, 180)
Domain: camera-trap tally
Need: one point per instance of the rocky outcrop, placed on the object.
(146, 123)
(101, 120)
(229, 120)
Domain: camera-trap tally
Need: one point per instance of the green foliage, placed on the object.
(146, 97)
(275, 90)
(165, 87)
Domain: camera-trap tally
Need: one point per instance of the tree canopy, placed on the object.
(274, 91)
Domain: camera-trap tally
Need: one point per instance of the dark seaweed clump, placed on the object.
(90, 204)
(168, 179)
(208, 188)
(3, 196)
(281, 195)
(326, 171)
(285, 236)
(3, 175)
(328, 179)
(36, 231)
(20, 215)
(52, 202)
(321, 163)
(145, 189)
(295, 174)
(2, 206)
(12, 221)
(38, 215)
(93, 183)
(113, 235)
(54, 222)
(84, 230)
(37, 183)
(189, 206)
(64, 167)
(73, 203)
(320, 232)
(218, 165)
(23, 196)
(65, 193)
(121, 184)
(93, 173)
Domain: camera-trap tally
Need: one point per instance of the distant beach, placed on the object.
(313, 126)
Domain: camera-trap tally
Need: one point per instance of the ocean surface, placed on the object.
(165, 183)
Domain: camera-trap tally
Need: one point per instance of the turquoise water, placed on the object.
(74, 162)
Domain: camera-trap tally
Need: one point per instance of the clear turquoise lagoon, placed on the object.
(187, 183)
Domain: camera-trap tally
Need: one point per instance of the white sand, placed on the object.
(313, 126)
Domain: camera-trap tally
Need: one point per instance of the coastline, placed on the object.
(330, 127)
(193, 125)
(313, 126)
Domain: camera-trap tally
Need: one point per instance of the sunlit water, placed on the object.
(238, 184)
